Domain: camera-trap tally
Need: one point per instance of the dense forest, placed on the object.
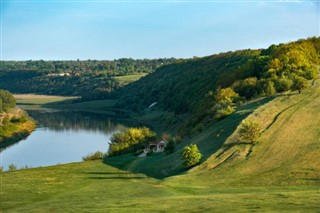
(219, 81)
(91, 79)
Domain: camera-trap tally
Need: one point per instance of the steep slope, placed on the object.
(180, 87)
(287, 152)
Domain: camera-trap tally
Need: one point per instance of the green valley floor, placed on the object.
(96, 187)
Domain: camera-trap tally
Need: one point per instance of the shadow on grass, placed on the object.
(115, 178)
(209, 141)
(106, 173)
(111, 176)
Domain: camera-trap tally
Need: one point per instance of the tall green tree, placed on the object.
(249, 131)
(299, 84)
(191, 155)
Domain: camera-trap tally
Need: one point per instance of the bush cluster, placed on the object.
(94, 156)
(130, 140)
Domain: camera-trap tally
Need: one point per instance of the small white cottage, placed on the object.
(156, 146)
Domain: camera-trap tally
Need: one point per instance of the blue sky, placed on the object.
(62, 29)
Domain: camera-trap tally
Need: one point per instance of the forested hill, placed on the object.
(216, 83)
(90, 78)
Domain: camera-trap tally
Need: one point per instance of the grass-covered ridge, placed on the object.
(286, 151)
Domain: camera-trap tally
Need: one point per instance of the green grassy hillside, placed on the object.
(286, 153)
(209, 140)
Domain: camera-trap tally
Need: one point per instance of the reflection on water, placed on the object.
(76, 121)
(61, 137)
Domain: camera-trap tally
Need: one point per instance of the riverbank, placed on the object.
(14, 126)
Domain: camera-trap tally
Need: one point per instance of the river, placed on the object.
(61, 137)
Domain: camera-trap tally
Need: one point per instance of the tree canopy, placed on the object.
(91, 79)
(7, 101)
(191, 155)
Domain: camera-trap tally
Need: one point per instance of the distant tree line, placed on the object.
(92, 79)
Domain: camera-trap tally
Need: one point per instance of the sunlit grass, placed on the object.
(33, 99)
(126, 79)
(95, 187)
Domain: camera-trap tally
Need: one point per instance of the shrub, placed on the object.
(224, 99)
(246, 88)
(283, 84)
(170, 147)
(130, 140)
(1, 169)
(191, 155)
(226, 94)
(269, 89)
(21, 119)
(93, 156)
(299, 84)
(12, 167)
(222, 110)
(6, 120)
(249, 131)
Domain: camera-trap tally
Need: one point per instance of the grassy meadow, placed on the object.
(96, 187)
(126, 79)
(34, 99)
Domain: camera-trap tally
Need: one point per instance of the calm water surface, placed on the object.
(61, 137)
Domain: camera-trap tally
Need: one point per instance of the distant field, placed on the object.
(96, 104)
(126, 79)
(33, 99)
(96, 187)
